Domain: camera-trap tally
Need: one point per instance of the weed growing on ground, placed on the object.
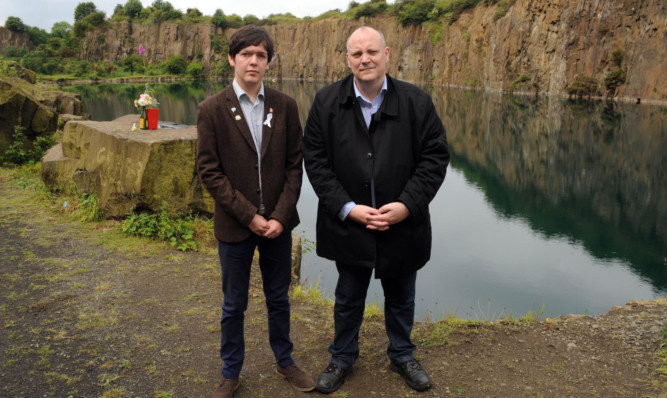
(179, 233)
(662, 354)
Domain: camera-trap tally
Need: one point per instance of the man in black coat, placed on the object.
(376, 154)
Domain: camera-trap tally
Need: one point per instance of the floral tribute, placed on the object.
(145, 100)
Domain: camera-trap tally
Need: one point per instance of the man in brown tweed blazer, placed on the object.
(249, 159)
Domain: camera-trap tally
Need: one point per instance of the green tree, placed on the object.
(132, 8)
(219, 19)
(250, 19)
(163, 6)
(118, 12)
(234, 21)
(38, 36)
(61, 29)
(15, 24)
(193, 15)
(83, 10)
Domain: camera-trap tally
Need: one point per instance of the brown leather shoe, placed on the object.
(297, 377)
(226, 388)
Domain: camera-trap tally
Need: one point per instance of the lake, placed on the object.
(549, 205)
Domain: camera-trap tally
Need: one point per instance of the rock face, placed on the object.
(128, 170)
(10, 38)
(36, 109)
(552, 42)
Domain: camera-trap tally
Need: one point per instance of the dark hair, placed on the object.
(250, 35)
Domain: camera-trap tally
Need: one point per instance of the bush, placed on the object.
(82, 10)
(369, 9)
(133, 63)
(175, 65)
(274, 19)
(14, 52)
(503, 7)
(220, 44)
(219, 19)
(234, 21)
(583, 85)
(15, 25)
(17, 154)
(618, 57)
(132, 8)
(35, 60)
(196, 70)
(177, 232)
(614, 79)
(414, 12)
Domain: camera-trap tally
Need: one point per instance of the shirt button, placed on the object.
(369, 155)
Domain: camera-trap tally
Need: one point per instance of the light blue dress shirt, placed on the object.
(368, 109)
(253, 113)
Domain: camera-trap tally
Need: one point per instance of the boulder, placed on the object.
(33, 107)
(128, 170)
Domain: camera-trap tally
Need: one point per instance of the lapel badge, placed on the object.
(237, 117)
(267, 122)
(233, 109)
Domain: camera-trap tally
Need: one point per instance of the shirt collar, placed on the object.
(240, 93)
(358, 94)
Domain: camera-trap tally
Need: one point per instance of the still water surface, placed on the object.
(548, 204)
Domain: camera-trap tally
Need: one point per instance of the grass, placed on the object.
(662, 355)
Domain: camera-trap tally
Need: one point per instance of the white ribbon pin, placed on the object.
(267, 122)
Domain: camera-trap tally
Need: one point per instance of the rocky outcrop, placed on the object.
(128, 170)
(160, 40)
(551, 42)
(34, 108)
(15, 39)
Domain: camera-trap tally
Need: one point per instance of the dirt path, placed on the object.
(85, 312)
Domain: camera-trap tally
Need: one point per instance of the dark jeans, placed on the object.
(399, 312)
(275, 263)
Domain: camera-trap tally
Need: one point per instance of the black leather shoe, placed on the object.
(331, 379)
(413, 374)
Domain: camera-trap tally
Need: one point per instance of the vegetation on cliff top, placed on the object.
(57, 52)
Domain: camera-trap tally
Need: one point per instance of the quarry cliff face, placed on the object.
(552, 42)
(549, 42)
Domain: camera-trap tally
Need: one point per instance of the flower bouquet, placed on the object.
(147, 100)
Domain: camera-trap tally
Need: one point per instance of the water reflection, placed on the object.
(548, 201)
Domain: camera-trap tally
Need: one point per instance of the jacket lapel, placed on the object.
(269, 108)
(235, 113)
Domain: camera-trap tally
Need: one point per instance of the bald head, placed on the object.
(365, 30)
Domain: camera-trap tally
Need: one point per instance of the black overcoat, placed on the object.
(404, 151)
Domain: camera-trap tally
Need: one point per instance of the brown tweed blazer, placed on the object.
(227, 162)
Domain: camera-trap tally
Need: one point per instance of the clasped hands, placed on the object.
(379, 219)
(266, 228)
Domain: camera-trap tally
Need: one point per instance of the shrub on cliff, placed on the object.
(219, 19)
(368, 9)
(84, 9)
(414, 12)
(583, 85)
(614, 79)
(15, 25)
